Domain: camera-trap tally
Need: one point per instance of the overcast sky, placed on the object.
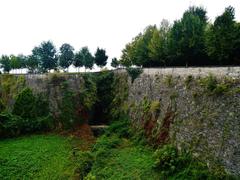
(109, 24)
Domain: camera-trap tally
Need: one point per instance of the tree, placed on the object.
(32, 64)
(101, 57)
(158, 44)
(114, 63)
(45, 54)
(187, 38)
(221, 38)
(22, 59)
(126, 57)
(18, 62)
(236, 48)
(15, 63)
(5, 63)
(88, 58)
(66, 56)
(137, 52)
(84, 58)
(78, 60)
(141, 52)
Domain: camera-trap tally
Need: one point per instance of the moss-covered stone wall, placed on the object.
(200, 114)
(65, 101)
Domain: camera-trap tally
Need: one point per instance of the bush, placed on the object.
(10, 125)
(25, 104)
(172, 163)
(120, 128)
(166, 159)
(13, 125)
(106, 143)
(29, 106)
(30, 113)
(36, 125)
(134, 72)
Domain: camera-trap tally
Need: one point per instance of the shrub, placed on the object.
(29, 106)
(13, 125)
(105, 142)
(166, 159)
(25, 104)
(134, 72)
(120, 92)
(10, 125)
(30, 113)
(172, 163)
(89, 94)
(120, 128)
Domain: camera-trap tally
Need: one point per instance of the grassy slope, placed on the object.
(38, 156)
(126, 161)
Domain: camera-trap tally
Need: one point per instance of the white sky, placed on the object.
(109, 24)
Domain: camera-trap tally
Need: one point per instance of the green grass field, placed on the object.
(36, 157)
(50, 157)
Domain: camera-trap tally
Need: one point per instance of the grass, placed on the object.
(36, 157)
(118, 154)
(125, 161)
(115, 155)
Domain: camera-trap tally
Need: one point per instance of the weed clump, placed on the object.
(188, 80)
(169, 80)
(213, 87)
(155, 106)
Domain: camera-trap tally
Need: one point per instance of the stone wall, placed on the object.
(197, 109)
(194, 71)
(70, 97)
(52, 86)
